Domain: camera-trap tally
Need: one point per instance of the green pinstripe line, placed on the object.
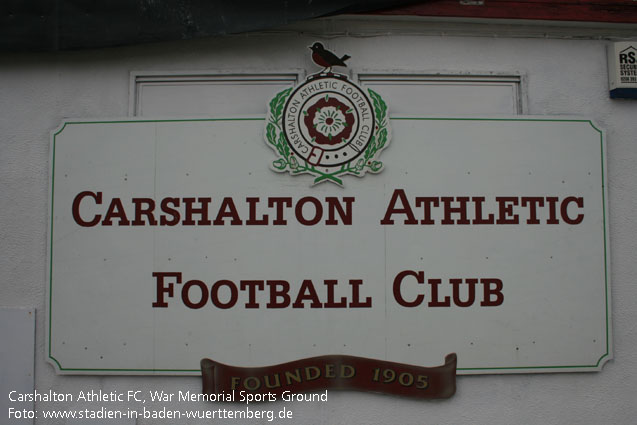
(134, 370)
(169, 120)
(59, 131)
(601, 143)
(395, 118)
(53, 358)
(263, 119)
(608, 324)
(489, 119)
(51, 244)
(526, 367)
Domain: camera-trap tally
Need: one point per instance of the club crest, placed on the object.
(327, 126)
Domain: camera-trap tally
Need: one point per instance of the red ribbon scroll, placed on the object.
(333, 372)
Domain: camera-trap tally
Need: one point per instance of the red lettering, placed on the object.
(489, 292)
(307, 292)
(190, 210)
(356, 302)
(564, 210)
(279, 203)
(252, 286)
(227, 210)
(398, 281)
(115, 210)
(533, 203)
(76, 208)
(461, 209)
(506, 204)
(318, 211)
(330, 295)
(140, 211)
(427, 203)
(165, 208)
(161, 289)
(252, 220)
(185, 294)
(435, 302)
(275, 294)
(478, 200)
(399, 194)
(552, 211)
(234, 294)
(471, 289)
(344, 213)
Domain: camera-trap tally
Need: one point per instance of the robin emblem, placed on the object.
(325, 58)
(327, 126)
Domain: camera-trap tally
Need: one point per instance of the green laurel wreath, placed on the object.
(287, 160)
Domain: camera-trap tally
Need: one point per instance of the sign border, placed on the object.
(608, 355)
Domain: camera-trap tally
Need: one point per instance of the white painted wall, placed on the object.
(563, 75)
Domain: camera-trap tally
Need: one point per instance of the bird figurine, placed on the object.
(325, 58)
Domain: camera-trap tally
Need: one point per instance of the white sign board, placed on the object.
(173, 240)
